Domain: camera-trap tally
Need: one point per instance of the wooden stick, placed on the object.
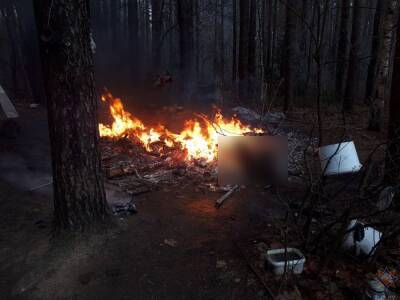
(221, 200)
(41, 186)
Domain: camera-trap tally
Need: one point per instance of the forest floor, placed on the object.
(178, 245)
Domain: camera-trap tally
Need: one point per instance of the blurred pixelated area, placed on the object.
(252, 160)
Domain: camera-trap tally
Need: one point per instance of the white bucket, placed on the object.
(295, 266)
(342, 158)
(367, 245)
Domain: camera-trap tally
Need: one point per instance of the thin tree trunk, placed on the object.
(392, 165)
(342, 52)
(133, 22)
(222, 45)
(252, 50)
(234, 43)
(156, 28)
(290, 44)
(377, 39)
(171, 52)
(216, 44)
(133, 35)
(197, 31)
(377, 103)
(19, 62)
(185, 22)
(243, 62)
(354, 59)
(67, 59)
(114, 21)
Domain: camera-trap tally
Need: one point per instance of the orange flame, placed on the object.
(198, 139)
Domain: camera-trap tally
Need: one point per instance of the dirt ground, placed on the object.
(178, 246)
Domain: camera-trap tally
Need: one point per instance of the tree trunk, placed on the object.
(156, 28)
(67, 59)
(216, 57)
(146, 26)
(197, 31)
(133, 35)
(377, 102)
(133, 22)
(114, 21)
(18, 59)
(234, 43)
(243, 63)
(185, 22)
(252, 50)
(354, 59)
(392, 165)
(267, 39)
(289, 51)
(342, 52)
(222, 45)
(376, 46)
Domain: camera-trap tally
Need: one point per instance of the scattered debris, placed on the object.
(124, 209)
(221, 264)
(34, 105)
(246, 114)
(250, 115)
(376, 290)
(170, 242)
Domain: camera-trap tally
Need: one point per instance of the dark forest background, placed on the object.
(261, 52)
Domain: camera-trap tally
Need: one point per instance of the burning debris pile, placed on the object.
(137, 157)
(197, 141)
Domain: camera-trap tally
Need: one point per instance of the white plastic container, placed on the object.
(339, 158)
(367, 245)
(294, 264)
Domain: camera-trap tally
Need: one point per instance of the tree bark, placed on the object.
(133, 22)
(185, 22)
(197, 32)
(114, 21)
(234, 43)
(392, 165)
(243, 62)
(376, 46)
(354, 58)
(289, 52)
(67, 59)
(156, 28)
(252, 51)
(342, 52)
(377, 101)
(222, 45)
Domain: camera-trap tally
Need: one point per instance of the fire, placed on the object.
(197, 140)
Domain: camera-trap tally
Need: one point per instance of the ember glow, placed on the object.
(198, 139)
